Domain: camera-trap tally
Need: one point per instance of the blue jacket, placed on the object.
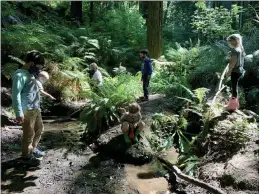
(147, 67)
(25, 92)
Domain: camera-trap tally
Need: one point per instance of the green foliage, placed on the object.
(210, 63)
(119, 70)
(170, 78)
(115, 92)
(241, 97)
(127, 27)
(158, 168)
(228, 138)
(189, 162)
(215, 23)
(253, 95)
(177, 27)
(8, 69)
(70, 84)
(183, 57)
(250, 29)
(241, 135)
(8, 8)
(196, 103)
(23, 38)
(170, 129)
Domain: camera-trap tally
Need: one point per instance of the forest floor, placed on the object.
(71, 167)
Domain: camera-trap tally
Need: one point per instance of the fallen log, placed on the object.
(190, 179)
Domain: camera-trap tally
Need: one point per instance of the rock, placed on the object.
(256, 58)
(243, 170)
(6, 97)
(112, 143)
(68, 108)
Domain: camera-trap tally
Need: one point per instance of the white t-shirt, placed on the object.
(39, 84)
(97, 77)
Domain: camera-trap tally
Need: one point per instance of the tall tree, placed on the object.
(154, 28)
(76, 10)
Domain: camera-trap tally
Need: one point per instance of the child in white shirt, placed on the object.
(97, 79)
(42, 78)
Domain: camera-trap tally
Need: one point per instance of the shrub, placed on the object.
(215, 23)
(210, 63)
(23, 38)
(115, 92)
(127, 27)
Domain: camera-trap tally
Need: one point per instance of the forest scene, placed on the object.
(130, 97)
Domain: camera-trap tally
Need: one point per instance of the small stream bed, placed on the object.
(71, 166)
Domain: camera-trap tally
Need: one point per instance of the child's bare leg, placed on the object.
(125, 127)
(141, 125)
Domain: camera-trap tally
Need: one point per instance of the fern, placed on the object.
(200, 94)
(114, 93)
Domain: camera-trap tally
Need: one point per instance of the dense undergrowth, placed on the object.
(194, 47)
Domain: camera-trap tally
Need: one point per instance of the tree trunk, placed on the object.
(91, 12)
(76, 10)
(154, 28)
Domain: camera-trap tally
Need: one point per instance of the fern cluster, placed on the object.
(115, 92)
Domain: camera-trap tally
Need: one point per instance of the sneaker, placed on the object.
(30, 160)
(38, 154)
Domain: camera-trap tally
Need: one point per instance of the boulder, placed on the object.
(242, 170)
(112, 144)
(67, 109)
(6, 96)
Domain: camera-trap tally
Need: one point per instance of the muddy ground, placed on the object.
(71, 167)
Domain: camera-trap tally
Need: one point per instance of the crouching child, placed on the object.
(132, 124)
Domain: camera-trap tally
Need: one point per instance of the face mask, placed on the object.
(34, 70)
(91, 72)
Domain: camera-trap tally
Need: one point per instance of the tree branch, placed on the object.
(220, 88)
(189, 179)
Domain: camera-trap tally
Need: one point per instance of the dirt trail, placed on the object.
(71, 167)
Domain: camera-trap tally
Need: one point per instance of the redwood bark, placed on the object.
(154, 28)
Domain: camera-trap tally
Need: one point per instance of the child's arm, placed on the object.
(139, 119)
(47, 94)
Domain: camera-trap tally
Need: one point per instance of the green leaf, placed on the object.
(184, 146)
(190, 167)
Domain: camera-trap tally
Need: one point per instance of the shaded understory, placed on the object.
(71, 166)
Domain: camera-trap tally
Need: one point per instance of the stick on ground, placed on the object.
(190, 179)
